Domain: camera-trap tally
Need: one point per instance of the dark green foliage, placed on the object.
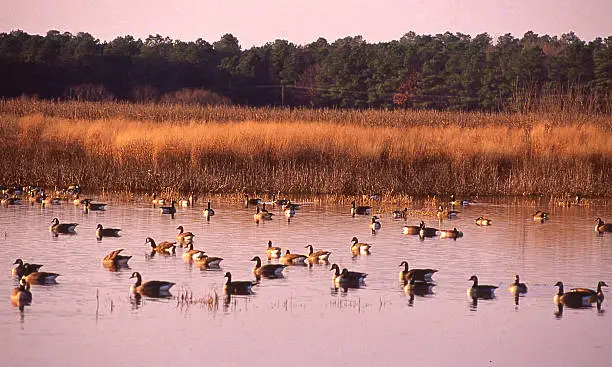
(445, 71)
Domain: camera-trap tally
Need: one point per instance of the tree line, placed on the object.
(444, 71)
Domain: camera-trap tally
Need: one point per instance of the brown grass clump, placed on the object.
(326, 152)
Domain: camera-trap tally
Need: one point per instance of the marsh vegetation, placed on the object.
(229, 149)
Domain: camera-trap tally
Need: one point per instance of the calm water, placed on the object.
(89, 317)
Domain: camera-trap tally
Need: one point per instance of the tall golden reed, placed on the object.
(312, 152)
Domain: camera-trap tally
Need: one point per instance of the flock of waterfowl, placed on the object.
(415, 281)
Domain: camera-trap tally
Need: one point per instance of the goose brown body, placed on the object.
(517, 287)
(427, 231)
(360, 210)
(166, 247)
(184, 238)
(115, 259)
(62, 228)
(21, 269)
(358, 247)
(107, 232)
(601, 227)
(21, 295)
(480, 290)
(267, 270)
(346, 277)
(208, 212)
(573, 299)
(238, 287)
(596, 295)
(482, 221)
(420, 275)
(205, 261)
(316, 256)
(151, 288)
(191, 254)
(450, 233)
(41, 277)
(540, 216)
(293, 259)
(273, 251)
(412, 230)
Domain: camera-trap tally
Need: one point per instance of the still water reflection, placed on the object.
(90, 317)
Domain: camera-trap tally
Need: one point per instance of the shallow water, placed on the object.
(90, 318)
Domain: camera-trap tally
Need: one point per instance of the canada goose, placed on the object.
(64, 228)
(6, 200)
(115, 259)
(268, 270)
(41, 277)
(205, 261)
(427, 231)
(443, 213)
(169, 209)
(289, 212)
(399, 214)
(73, 190)
(151, 288)
(89, 206)
(359, 248)
(107, 232)
(273, 252)
(290, 205)
(78, 201)
(540, 216)
(279, 202)
(251, 201)
(239, 287)
(185, 203)
(293, 259)
(450, 233)
(21, 295)
(346, 277)
(481, 291)
(602, 227)
(360, 210)
(456, 202)
(596, 296)
(412, 230)
(573, 299)
(517, 287)
(375, 225)
(420, 275)
(412, 287)
(166, 247)
(184, 238)
(261, 216)
(50, 200)
(191, 254)
(208, 212)
(157, 201)
(22, 268)
(314, 257)
(482, 221)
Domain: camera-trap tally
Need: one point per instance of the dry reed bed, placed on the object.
(393, 118)
(308, 157)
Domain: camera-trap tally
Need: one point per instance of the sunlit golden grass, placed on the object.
(309, 140)
(397, 153)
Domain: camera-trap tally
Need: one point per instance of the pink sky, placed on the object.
(256, 22)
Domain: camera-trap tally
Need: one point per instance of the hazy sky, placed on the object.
(255, 22)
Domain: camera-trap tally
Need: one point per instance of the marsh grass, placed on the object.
(179, 149)
(185, 299)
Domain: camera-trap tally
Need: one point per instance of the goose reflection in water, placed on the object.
(559, 312)
(422, 289)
